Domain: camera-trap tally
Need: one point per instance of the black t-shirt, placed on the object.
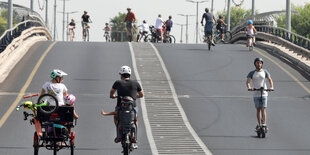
(126, 88)
(72, 24)
(85, 18)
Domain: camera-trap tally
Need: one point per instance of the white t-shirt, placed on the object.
(56, 89)
(259, 80)
(249, 31)
(159, 23)
(145, 27)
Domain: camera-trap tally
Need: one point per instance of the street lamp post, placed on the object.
(46, 13)
(197, 2)
(181, 41)
(186, 35)
(10, 14)
(63, 19)
(55, 20)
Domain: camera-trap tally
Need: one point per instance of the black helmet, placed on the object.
(207, 10)
(220, 16)
(258, 59)
(144, 21)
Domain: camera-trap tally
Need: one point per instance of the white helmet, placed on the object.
(125, 70)
(57, 72)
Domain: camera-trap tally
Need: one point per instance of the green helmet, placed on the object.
(57, 72)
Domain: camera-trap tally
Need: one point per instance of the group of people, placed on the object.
(162, 27)
(85, 20)
(210, 21)
(123, 87)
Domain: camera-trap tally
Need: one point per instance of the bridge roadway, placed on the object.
(210, 86)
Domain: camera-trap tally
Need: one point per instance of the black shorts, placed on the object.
(168, 28)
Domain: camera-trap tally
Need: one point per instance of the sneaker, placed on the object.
(134, 145)
(266, 129)
(117, 140)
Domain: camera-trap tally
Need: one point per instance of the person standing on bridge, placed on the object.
(209, 17)
(125, 87)
(258, 77)
(159, 26)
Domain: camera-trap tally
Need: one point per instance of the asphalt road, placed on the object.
(210, 85)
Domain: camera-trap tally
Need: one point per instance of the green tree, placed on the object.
(300, 22)
(118, 27)
(3, 21)
(237, 14)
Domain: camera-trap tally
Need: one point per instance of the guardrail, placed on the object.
(8, 36)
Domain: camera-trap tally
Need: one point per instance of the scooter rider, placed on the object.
(258, 77)
(126, 87)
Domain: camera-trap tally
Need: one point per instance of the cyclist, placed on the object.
(258, 77)
(169, 24)
(145, 30)
(209, 24)
(126, 87)
(159, 25)
(250, 31)
(107, 31)
(71, 29)
(130, 20)
(219, 26)
(85, 20)
(56, 88)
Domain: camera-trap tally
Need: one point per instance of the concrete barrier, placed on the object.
(19, 47)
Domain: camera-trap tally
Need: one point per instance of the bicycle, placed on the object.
(86, 31)
(250, 43)
(208, 40)
(107, 36)
(262, 130)
(218, 35)
(55, 123)
(142, 36)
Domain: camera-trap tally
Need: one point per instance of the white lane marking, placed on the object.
(175, 97)
(143, 107)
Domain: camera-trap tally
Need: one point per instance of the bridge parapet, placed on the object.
(294, 42)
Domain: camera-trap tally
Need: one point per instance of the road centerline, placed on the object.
(24, 88)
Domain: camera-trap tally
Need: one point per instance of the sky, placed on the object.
(101, 11)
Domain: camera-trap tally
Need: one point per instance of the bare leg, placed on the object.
(259, 116)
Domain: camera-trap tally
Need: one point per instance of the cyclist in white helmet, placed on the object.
(125, 87)
(56, 88)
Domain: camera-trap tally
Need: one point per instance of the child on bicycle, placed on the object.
(219, 26)
(250, 32)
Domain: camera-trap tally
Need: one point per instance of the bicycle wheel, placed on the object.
(36, 144)
(171, 39)
(87, 34)
(227, 36)
(209, 42)
(50, 103)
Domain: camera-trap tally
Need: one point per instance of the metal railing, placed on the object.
(9, 35)
(285, 34)
(277, 31)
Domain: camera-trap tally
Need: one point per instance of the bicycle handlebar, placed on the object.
(260, 89)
